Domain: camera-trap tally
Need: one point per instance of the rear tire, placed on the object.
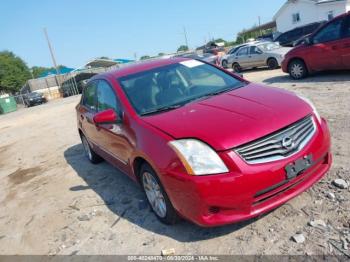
(297, 69)
(272, 63)
(157, 197)
(90, 154)
(236, 68)
(224, 63)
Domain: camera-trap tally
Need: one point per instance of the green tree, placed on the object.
(161, 54)
(38, 70)
(183, 48)
(220, 40)
(13, 72)
(145, 57)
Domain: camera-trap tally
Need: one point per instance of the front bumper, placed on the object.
(247, 190)
(284, 65)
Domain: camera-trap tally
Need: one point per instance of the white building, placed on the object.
(295, 13)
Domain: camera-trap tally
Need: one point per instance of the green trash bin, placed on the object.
(7, 105)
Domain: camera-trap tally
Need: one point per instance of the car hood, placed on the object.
(234, 118)
(280, 51)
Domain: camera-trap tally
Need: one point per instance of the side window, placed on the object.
(346, 27)
(243, 51)
(329, 33)
(89, 96)
(254, 50)
(106, 98)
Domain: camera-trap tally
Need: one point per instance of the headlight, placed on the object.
(198, 158)
(313, 107)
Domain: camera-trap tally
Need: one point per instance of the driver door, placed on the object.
(325, 54)
(242, 57)
(114, 138)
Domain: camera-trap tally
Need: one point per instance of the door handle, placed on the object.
(334, 47)
(89, 120)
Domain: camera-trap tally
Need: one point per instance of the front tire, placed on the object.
(272, 63)
(91, 155)
(224, 63)
(297, 69)
(157, 197)
(236, 68)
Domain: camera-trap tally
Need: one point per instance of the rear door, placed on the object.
(113, 137)
(345, 44)
(325, 54)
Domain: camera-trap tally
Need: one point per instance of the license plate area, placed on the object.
(298, 167)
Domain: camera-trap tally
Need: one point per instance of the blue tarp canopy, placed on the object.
(61, 70)
(123, 61)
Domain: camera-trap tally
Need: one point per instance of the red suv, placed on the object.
(204, 144)
(326, 49)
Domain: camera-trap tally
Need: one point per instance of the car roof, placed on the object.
(137, 67)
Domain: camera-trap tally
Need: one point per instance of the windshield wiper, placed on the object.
(162, 109)
(206, 96)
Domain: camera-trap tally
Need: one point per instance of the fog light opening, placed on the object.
(214, 210)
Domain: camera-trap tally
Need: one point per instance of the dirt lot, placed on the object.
(53, 201)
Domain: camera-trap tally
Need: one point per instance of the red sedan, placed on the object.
(204, 144)
(326, 49)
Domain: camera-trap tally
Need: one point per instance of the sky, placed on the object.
(81, 30)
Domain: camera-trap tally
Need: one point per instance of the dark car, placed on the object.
(213, 48)
(288, 38)
(33, 99)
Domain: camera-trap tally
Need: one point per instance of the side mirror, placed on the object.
(308, 41)
(106, 117)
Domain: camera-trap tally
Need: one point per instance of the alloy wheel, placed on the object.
(297, 70)
(154, 194)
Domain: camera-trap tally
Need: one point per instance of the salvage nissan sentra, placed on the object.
(204, 144)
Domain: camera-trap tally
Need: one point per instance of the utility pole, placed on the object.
(259, 24)
(52, 56)
(185, 34)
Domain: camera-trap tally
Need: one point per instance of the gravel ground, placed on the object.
(53, 201)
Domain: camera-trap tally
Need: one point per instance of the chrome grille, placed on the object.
(279, 145)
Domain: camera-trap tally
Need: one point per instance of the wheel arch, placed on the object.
(80, 132)
(271, 57)
(138, 162)
(296, 59)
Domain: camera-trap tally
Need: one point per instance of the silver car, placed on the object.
(227, 60)
(259, 55)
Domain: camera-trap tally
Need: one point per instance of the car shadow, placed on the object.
(126, 199)
(332, 76)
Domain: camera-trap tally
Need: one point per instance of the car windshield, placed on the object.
(268, 46)
(172, 86)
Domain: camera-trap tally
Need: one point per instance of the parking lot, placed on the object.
(53, 201)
